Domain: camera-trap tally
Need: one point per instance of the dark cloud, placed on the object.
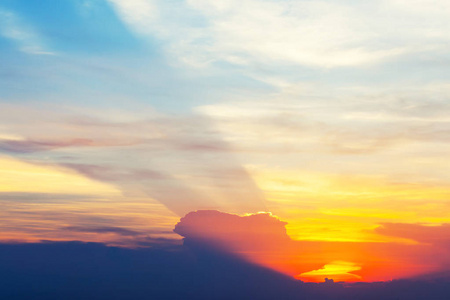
(104, 229)
(76, 270)
(156, 242)
(137, 238)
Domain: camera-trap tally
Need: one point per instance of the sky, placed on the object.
(322, 124)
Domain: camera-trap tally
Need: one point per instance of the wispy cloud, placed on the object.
(432, 234)
(181, 161)
(115, 230)
(27, 39)
(321, 34)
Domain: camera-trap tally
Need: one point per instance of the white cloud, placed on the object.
(330, 122)
(321, 34)
(140, 14)
(27, 39)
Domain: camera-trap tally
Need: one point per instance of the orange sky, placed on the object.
(262, 239)
(345, 244)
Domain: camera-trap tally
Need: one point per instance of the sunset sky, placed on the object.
(312, 137)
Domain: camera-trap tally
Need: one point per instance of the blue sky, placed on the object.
(202, 47)
(83, 52)
(141, 50)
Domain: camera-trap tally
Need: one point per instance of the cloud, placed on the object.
(26, 197)
(235, 232)
(76, 270)
(27, 39)
(433, 234)
(179, 160)
(137, 12)
(106, 229)
(360, 121)
(259, 238)
(128, 238)
(323, 34)
(262, 239)
(115, 220)
(29, 146)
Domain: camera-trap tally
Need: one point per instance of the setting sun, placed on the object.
(336, 270)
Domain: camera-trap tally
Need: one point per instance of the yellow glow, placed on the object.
(336, 269)
(6, 136)
(16, 176)
(332, 207)
(105, 202)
